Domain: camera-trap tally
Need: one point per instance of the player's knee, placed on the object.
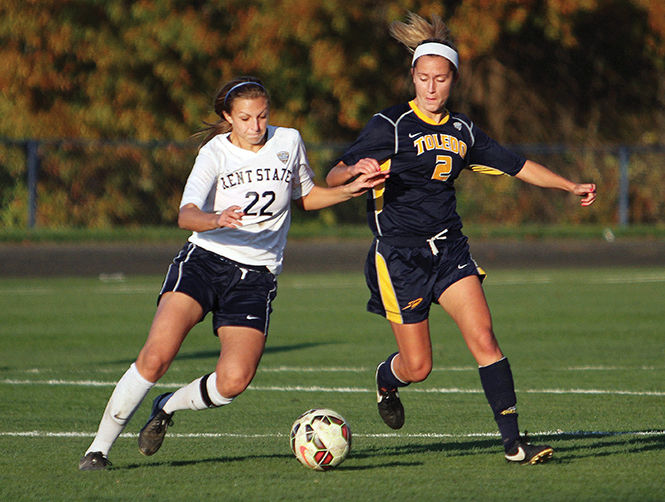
(418, 369)
(485, 347)
(233, 383)
(151, 365)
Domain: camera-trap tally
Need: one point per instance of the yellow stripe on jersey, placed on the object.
(377, 192)
(486, 170)
(388, 296)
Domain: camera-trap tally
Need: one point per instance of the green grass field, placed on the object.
(586, 347)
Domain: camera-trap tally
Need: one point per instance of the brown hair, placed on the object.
(241, 87)
(418, 30)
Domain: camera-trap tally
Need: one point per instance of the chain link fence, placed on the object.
(98, 184)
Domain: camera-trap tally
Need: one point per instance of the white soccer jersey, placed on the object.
(261, 183)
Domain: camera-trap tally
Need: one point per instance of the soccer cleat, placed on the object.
(526, 453)
(389, 404)
(94, 461)
(152, 435)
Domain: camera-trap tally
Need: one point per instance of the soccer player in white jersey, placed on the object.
(237, 202)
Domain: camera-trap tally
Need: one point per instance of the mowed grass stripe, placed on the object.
(120, 287)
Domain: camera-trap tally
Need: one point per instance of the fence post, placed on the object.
(624, 161)
(32, 161)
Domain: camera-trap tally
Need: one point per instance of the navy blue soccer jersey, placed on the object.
(418, 199)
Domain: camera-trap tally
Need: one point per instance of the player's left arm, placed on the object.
(538, 175)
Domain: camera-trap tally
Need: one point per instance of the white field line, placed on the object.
(343, 390)
(213, 435)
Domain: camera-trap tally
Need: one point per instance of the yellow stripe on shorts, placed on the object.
(388, 296)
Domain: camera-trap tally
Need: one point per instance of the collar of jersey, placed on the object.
(424, 117)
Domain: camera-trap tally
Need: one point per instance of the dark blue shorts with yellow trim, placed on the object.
(405, 281)
(235, 293)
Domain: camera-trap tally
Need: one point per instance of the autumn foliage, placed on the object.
(577, 72)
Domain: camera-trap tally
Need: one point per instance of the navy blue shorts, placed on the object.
(405, 281)
(236, 294)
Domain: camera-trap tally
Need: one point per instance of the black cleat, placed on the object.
(94, 461)
(526, 453)
(152, 435)
(389, 404)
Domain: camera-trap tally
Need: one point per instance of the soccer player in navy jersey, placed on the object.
(419, 255)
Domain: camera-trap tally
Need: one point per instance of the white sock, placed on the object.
(197, 396)
(126, 398)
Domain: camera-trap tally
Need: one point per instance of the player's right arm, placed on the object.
(341, 173)
(192, 218)
(195, 213)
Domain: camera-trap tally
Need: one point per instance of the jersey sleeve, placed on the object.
(201, 180)
(489, 157)
(377, 140)
(303, 176)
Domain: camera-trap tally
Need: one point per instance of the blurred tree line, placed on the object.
(579, 72)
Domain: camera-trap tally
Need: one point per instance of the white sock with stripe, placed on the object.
(200, 394)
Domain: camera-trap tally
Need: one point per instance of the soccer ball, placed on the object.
(320, 439)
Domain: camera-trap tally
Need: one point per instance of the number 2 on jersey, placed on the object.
(443, 168)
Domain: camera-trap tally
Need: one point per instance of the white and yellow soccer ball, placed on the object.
(320, 439)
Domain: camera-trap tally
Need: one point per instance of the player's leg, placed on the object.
(240, 353)
(240, 320)
(241, 350)
(465, 302)
(399, 280)
(176, 315)
(412, 363)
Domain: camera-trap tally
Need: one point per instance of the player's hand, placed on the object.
(364, 166)
(587, 191)
(230, 217)
(366, 182)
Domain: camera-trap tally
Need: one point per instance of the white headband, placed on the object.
(436, 49)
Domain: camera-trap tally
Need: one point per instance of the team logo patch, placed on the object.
(457, 126)
(283, 156)
(413, 304)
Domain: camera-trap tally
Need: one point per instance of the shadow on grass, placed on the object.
(457, 448)
(568, 447)
(244, 458)
(210, 460)
(204, 354)
(214, 354)
(598, 444)
(296, 346)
